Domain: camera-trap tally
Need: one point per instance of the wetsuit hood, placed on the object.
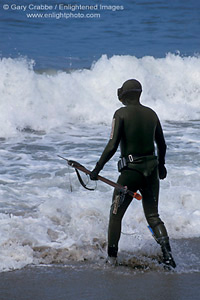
(131, 89)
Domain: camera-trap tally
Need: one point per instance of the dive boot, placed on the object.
(167, 257)
(112, 256)
(112, 261)
(168, 260)
(166, 251)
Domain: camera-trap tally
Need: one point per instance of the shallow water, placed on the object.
(42, 221)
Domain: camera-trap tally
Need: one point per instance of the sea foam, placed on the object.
(171, 86)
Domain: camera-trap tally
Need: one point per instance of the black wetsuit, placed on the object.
(136, 128)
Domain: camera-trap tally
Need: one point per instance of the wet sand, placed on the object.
(138, 278)
(81, 282)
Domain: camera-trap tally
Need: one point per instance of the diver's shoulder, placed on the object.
(124, 110)
(120, 111)
(149, 109)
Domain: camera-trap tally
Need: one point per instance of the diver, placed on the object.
(137, 129)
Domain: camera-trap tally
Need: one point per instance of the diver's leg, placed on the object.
(115, 221)
(132, 180)
(150, 193)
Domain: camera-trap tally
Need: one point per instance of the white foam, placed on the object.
(171, 86)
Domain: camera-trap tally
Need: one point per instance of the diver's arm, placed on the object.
(160, 141)
(161, 150)
(111, 147)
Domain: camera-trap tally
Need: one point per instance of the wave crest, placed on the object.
(171, 87)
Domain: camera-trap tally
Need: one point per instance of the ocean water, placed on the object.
(58, 82)
(77, 34)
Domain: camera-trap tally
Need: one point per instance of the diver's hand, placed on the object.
(162, 171)
(95, 172)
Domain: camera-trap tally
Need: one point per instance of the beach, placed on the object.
(90, 280)
(83, 283)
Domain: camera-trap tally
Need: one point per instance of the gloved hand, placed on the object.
(162, 171)
(95, 172)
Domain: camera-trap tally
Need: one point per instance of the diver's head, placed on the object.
(130, 91)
